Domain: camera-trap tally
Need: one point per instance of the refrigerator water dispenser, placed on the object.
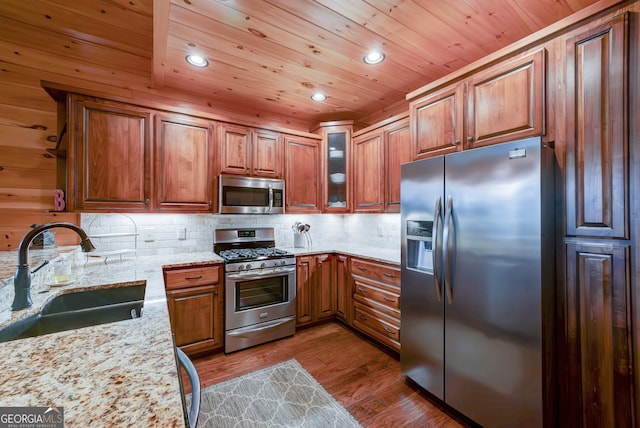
(419, 248)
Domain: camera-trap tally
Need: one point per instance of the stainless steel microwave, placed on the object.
(251, 195)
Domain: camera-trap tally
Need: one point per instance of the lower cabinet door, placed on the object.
(597, 334)
(195, 320)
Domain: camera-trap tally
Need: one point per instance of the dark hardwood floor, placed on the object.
(361, 376)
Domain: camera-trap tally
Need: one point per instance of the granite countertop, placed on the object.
(116, 374)
(122, 373)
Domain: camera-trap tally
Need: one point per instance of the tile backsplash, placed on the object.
(166, 234)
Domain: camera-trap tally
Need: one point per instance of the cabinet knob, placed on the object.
(470, 139)
(210, 203)
(146, 201)
(456, 143)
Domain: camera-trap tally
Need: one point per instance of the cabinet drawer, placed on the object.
(191, 277)
(376, 271)
(370, 292)
(377, 325)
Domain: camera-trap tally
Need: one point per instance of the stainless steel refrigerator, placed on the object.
(478, 280)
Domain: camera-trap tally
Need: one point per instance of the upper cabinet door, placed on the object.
(437, 122)
(336, 160)
(303, 192)
(398, 151)
(184, 164)
(267, 154)
(369, 172)
(111, 156)
(235, 149)
(506, 102)
(597, 141)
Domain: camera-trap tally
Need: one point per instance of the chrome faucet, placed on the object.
(22, 278)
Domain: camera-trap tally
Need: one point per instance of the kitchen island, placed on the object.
(117, 374)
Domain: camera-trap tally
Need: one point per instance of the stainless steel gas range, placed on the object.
(260, 287)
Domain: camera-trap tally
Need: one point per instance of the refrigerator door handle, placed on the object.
(434, 250)
(446, 257)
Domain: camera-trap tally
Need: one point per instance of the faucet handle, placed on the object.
(43, 264)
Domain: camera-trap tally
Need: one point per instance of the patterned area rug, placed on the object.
(283, 395)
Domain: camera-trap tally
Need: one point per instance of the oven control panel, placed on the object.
(259, 264)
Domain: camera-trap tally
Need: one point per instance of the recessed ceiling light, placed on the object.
(373, 57)
(318, 96)
(197, 60)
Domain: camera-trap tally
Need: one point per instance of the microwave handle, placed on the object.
(270, 198)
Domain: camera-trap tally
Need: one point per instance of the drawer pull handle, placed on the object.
(389, 300)
(362, 290)
(361, 268)
(388, 330)
(362, 317)
(389, 275)
(194, 277)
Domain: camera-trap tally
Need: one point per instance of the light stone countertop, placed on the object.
(117, 374)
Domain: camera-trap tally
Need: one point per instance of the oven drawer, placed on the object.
(192, 277)
(251, 335)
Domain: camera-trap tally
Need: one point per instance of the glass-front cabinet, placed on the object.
(336, 149)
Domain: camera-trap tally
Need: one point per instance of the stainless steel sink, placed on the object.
(80, 309)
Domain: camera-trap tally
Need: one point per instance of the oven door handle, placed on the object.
(262, 326)
(270, 198)
(246, 275)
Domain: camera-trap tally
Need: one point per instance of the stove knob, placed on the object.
(248, 267)
(241, 267)
(283, 262)
(263, 265)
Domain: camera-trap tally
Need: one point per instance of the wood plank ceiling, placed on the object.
(273, 54)
(266, 56)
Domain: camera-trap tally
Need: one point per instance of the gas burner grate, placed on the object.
(251, 253)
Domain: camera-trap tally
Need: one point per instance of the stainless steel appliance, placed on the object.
(478, 279)
(251, 195)
(260, 287)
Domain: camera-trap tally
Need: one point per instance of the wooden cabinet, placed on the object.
(336, 165)
(302, 175)
(378, 154)
(437, 122)
(369, 173)
(184, 179)
(235, 149)
(195, 301)
(503, 102)
(250, 152)
(397, 140)
(316, 288)
(114, 164)
(506, 101)
(304, 273)
(267, 154)
(109, 156)
(344, 303)
(376, 300)
(597, 178)
(598, 335)
(324, 287)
